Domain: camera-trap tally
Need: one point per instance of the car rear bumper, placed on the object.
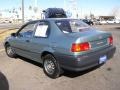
(87, 61)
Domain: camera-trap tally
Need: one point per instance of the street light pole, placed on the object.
(22, 11)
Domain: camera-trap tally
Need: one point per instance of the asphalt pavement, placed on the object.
(23, 74)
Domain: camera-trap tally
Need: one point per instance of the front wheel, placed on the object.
(51, 67)
(10, 51)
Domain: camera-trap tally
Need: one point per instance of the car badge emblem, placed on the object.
(100, 43)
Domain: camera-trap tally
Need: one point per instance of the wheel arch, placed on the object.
(46, 53)
(6, 43)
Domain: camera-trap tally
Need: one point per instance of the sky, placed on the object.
(97, 7)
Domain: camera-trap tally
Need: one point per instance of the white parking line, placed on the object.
(1, 50)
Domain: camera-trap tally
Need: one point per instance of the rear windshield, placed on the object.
(70, 25)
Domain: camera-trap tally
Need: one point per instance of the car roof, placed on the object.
(53, 19)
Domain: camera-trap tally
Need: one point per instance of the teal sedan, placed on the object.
(60, 44)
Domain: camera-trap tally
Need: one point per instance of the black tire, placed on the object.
(10, 51)
(51, 67)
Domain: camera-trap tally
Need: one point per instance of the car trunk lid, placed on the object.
(96, 39)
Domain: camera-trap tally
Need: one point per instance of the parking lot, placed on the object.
(23, 74)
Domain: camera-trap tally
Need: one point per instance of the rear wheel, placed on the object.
(51, 66)
(10, 51)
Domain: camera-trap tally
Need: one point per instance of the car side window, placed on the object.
(27, 31)
(42, 30)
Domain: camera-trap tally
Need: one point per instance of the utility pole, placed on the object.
(22, 11)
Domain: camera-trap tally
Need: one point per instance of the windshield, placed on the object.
(70, 25)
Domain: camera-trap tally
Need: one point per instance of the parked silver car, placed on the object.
(61, 44)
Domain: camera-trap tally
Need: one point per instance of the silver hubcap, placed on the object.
(49, 66)
(10, 51)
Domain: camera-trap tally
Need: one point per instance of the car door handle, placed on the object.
(27, 40)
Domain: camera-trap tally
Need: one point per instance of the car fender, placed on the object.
(48, 50)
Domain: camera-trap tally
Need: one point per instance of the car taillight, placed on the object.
(110, 40)
(77, 47)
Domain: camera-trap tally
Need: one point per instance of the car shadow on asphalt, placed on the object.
(30, 61)
(73, 74)
(4, 85)
(117, 28)
(66, 73)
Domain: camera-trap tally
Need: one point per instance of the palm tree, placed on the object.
(35, 9)
(30, 7)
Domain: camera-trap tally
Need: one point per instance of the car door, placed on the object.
(22, 41)
(40, 41)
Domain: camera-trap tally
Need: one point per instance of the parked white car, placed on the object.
(6, 21)
(117, 21)
(113, 21)
(103, 22)
(110, 21)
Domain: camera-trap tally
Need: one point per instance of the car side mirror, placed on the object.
(13, 34)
